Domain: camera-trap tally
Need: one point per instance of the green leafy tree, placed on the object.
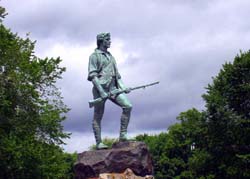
(212, 144)
(31, 111)
(228, 119)
(171, 151)
(220, 135)
(195, 132)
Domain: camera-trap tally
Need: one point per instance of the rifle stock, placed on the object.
(98, 100)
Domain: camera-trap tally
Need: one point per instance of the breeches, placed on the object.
(121, 100)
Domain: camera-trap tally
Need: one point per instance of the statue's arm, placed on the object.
(122, 86)
(93, 67)
(120, 83)
(93, 75)
(99, 87)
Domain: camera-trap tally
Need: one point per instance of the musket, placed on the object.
(117, 92)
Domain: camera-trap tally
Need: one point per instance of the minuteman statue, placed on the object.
(103, 73)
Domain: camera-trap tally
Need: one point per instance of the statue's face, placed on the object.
(106, 42)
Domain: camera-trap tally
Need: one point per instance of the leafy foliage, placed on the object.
(213, 143)
(31, 111)
(2, 13)
(228, 118)
(173, 150)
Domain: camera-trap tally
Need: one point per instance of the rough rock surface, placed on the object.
(127, 174)
(122, 155)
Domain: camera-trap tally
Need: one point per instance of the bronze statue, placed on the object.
(103, 73)
(107, 84)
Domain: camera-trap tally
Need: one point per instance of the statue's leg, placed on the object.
(126, 105)
(96, 123)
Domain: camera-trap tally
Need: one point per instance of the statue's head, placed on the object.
(103, 38)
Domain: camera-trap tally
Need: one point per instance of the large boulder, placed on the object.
(122, 155)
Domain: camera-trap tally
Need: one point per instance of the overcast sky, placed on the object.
(181, 43)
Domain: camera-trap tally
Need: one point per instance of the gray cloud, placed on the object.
(81, 20)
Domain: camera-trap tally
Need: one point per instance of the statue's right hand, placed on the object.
(104, 95)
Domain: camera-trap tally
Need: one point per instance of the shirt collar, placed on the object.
(100, 51)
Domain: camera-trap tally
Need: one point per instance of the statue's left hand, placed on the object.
(127, 90)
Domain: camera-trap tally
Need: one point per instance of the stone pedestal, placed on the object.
(122, 155)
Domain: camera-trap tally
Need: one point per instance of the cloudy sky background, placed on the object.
(181, 43)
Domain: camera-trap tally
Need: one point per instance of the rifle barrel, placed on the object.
(144, 86)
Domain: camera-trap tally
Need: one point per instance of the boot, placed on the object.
(97, 132)
(124, 125)
(124, 137)
(100, 146)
